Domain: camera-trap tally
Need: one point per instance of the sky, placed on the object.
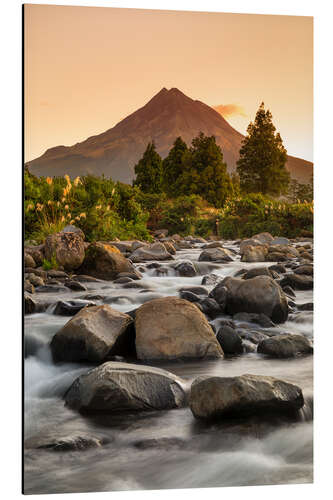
(87, 68)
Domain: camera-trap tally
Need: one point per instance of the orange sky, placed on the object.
(89, 67)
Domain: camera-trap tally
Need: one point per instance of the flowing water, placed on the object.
(162, 449)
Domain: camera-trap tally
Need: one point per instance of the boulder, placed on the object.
(265, 238)
(66, 248)
(242, 396)
(254, 253)
(298, 281)
(191, 297)
(256, 295)
(278, 268)
(229, 340)
(71, 307)
(117, 387)
(285, 346)
(257, 271)
(36, 252)
(123, 246)
(198, 290)
(186, 269)
(249, 243)
(66, 442)
(76, 286)
(93, 334)
(29, 304)
(35, 280)
(28, 287)
(171, 328)
(156, 251)
(280, 240)
(306, 269)
(211, 279)
(261, 319)
(73, 229)
(215, 255)
(213, 244)
(169, 247)
(210, 307)
(28, 260)
(220, 293)
(105, 262)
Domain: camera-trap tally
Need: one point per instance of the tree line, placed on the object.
(201, 170)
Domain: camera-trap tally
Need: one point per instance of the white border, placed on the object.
(10, 123)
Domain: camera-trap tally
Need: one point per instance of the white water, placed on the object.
(232, 453)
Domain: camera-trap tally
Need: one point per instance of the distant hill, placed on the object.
(169, 114)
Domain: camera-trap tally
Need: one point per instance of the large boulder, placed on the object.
(257, 271)
(94, 334)
(66, 248)
(298, 281)
(249, 243)
(254, 253)
(105, 262)
(229, 340)
(219, 397)
(171, 328)
(36, 252)
(70, 228)
(117, 387)
(256, 295)
(215, 255)
(265, 238)
(29, 260)
(156, 251)
(186, 268)
(285, 346)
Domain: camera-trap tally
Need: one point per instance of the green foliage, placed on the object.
(298, 191)
(261, 164)
(173, 168)
(50, 264)
(149, 171)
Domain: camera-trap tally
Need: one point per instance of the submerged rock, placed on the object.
(69, 442)
(171, 328)
(219, 397)
(285, 346)
(93, 334)
(117, 387)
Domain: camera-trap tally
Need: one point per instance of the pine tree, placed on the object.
(173, 167)
(149, 171)
(261, 165)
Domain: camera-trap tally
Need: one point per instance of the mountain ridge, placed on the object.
(166, 116)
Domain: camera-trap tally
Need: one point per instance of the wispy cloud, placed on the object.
(227, 110)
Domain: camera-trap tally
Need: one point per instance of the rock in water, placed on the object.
(156, 251)
(254, 253)
(105, 262)
(218, 397)
(117, 387)
(229, 340)
(66, 248)
(215, 255)
(285, 346)
(256, 295)
(186, 269)
(171, 328)
(93, 334)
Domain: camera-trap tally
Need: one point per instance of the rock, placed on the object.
(249, 243)
(70, 442)
(29, 304)
(75, 285)
(73, 229)
(29, 261)
(37, 272)
(51, 289)
(156, 251)
(171, 328)
(134, 275)
(93, 334)
(169, 247)
(279, 241)
(215, 255)
(56, 273)
(306, 270)
(308, 306)
(105, 262)
(285, 346)
(66, 248)
(229, 340)
(123, 246)
(289, 291)
(276, 257)
(287, 250)
(165, 443)
(257, 271)
(210, 307)
(84, 278)
(211, 279)
(220, 293)
(137, 244)
(261, 319)
(256, 295)
(298, 281)
(198, 290)
(213, 244)
(36, 252)
(186, 269)
(118, 387)
(254, 253)
(35, 280)
(253, 336)
(219, 397)
(279, 268)
(265, 238)
(28, 287)
(191, 297)
(71, 307)
(122, 280)
(161, 233)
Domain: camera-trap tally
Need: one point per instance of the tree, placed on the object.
(262, 158)
(149, 171)
(298, 191)
(173, 167)
(204, 171)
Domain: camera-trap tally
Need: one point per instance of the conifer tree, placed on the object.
(149, 171)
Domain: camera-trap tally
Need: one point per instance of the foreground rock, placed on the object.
(69, 442)
(219, 397)
(229, 340)
(117, 387)
(298, 281)
(220, 255)
(256, 295)
(171, 328)
(105, 262)
(285, 346)
(254, 253)
(156, 251)
(94, 334)
(66, 248)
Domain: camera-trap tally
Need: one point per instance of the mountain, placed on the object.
(169, 114)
